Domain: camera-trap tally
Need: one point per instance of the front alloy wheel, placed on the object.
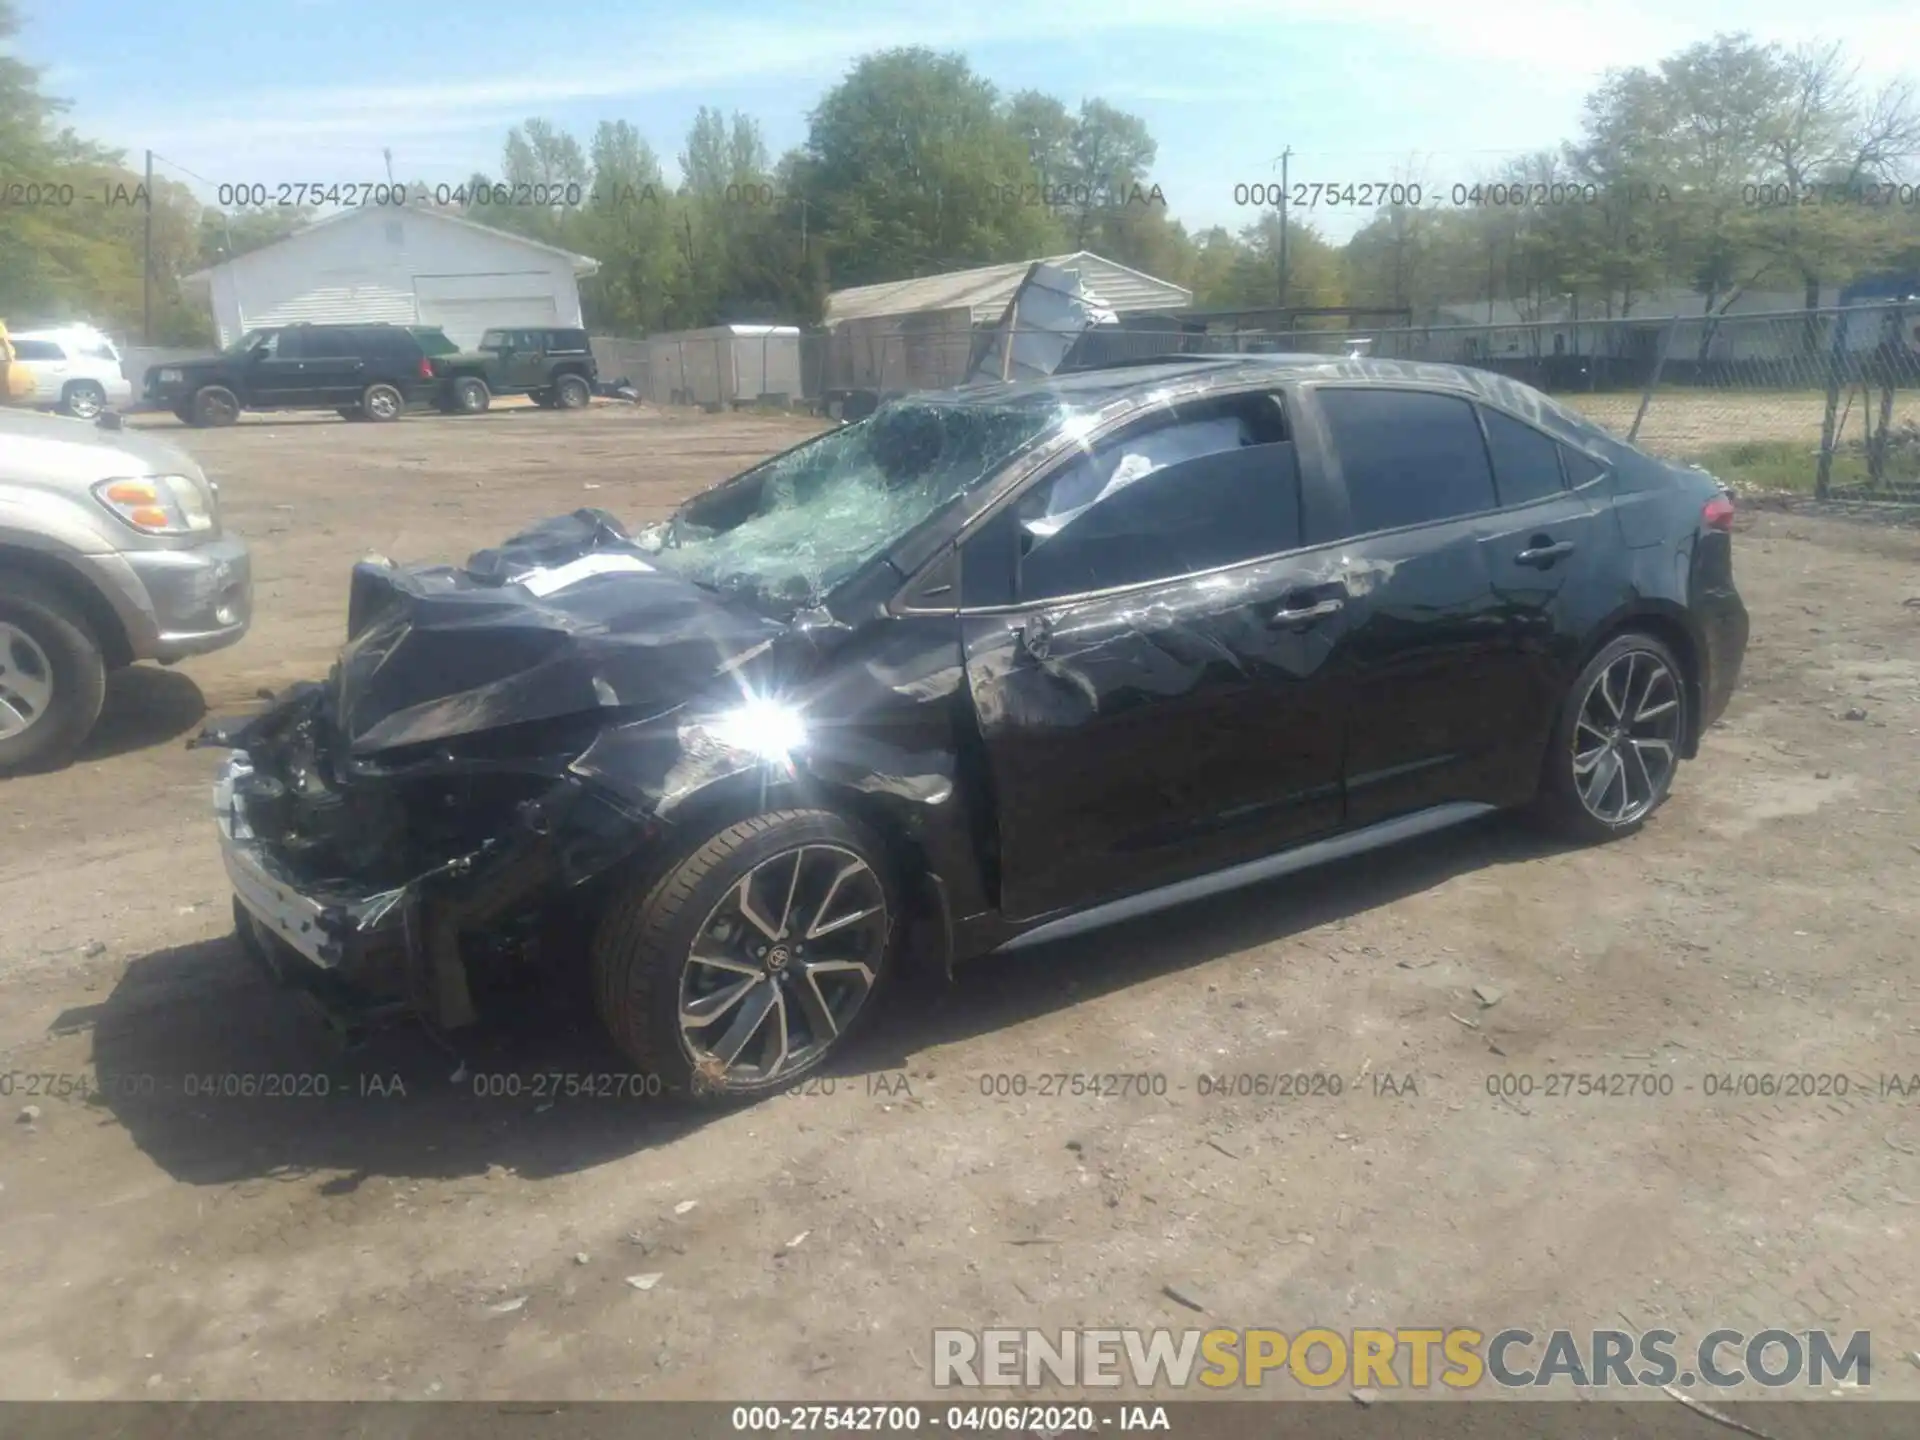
(752, 959)
(26, 681)
(783, 965)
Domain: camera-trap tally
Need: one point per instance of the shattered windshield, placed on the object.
(786, 533)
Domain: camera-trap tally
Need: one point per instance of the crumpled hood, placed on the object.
(568, 616)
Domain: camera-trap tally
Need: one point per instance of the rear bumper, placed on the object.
(1724, 628)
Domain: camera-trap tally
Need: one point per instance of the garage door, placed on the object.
(465, 320)
(451, 303)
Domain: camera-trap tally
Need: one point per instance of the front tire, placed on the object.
(214, 406)
(83, 400)
(751, 960)
(1616, 743)
(471, 396)
(53, 677)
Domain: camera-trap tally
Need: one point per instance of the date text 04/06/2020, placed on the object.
(908, 1419)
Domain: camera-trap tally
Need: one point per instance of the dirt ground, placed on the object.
(1682, 422)
(160, 1240)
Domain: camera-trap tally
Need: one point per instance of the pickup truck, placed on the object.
(554, 366)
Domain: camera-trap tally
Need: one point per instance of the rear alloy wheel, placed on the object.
(215, 405)
(471, 396)
(1617, 745)
(83, 399)
(751, 960)
(570, 392)
(53, 678)
(381, 401)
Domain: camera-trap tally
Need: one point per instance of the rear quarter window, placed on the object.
(1526, 462)
(1408, 457)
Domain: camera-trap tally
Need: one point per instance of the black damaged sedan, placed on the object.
(986, 667)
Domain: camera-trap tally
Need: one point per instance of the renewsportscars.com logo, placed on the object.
(1400, 1359)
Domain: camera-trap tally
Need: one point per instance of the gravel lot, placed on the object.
(160, 1241)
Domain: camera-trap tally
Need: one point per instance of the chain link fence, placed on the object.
(1821, 401)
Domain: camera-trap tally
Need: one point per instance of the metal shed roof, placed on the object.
(987, 289)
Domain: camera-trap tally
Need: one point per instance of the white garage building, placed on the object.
(406, 266)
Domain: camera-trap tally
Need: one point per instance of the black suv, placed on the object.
(981, 669)
(555, 367)
(366, 372)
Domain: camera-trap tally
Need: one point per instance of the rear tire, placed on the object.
(570, 392)
(1615, 747)
(53, 677)
(382, 402)
(645, 970)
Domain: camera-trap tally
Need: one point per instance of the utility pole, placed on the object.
(1285, 155)
(146, 264)
(387, 155)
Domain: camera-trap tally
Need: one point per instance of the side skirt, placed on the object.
(1252, 872)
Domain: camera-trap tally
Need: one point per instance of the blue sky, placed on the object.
(282, 90)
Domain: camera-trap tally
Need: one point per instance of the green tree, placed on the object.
(627, 227)
(906, 160)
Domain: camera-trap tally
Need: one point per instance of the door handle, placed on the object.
(1543, 552)
(1034, 636)
(1306, 614)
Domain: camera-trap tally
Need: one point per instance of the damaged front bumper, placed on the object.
(327, 932)
(366, 950)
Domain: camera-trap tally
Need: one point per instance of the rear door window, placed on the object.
(328, 343)
(1526, 462)
(1409, 457)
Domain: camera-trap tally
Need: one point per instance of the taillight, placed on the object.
(426, 368)
(1717, 514)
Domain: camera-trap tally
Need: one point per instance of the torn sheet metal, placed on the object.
(1048, 314)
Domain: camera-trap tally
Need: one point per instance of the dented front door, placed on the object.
(1143, 738)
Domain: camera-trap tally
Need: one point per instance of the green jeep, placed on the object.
(555, 367)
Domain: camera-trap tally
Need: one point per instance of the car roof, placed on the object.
(1098, 386)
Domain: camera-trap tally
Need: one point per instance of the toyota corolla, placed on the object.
(984, 668)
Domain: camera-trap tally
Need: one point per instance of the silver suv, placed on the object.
(111, 551)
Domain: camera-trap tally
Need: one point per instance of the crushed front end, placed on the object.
(393, 881)
(435, 808)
